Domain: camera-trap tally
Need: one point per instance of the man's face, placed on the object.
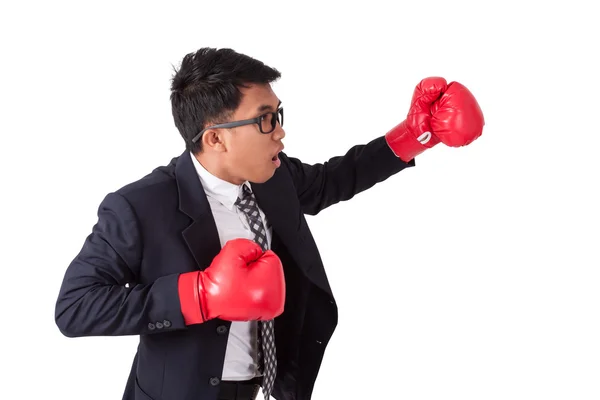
(249, 154)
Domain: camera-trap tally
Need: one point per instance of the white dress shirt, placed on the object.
(240, 356)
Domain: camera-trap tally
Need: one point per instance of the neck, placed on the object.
(217, 167)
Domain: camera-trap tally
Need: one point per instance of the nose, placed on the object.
(278, 133)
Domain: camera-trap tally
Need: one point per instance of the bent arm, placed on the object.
(99, 295)
(340, 178)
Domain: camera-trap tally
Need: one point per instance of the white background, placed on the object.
(474, 275)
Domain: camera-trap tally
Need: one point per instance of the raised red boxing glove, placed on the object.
(241, 284)
(457, 119)
(413, 136)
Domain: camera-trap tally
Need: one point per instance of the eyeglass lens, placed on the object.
(269, 121)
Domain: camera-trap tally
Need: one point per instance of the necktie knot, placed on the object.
(246, 193)
(246, 200)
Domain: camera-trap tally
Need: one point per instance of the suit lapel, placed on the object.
(277, 198)
(201, 236)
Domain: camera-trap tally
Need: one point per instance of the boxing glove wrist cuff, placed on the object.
(405, 145)
(189, 298)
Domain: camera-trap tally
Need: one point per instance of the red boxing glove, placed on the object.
(241, 284)
(414, 135)
(457, 119)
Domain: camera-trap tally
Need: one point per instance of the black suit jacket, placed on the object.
(124, 279)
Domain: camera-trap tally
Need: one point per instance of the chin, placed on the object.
(262, 178)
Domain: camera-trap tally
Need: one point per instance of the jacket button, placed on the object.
(215, 381)
(221, 329)
(167, 323)
(159, 325)
(151, 326)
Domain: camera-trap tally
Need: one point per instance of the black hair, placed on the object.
(205, 89)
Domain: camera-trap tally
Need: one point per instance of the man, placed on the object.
(210, 260)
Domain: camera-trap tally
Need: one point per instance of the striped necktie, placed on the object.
(266, 330)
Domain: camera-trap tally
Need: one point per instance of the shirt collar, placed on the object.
(224, 192)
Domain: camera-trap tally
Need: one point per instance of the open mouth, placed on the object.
(275, 160)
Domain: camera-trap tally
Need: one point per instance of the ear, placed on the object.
(213, 140)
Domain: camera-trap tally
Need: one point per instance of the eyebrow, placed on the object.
(266, 107)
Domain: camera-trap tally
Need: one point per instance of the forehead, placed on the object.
(255, 97)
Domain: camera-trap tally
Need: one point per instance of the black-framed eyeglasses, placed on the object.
(266, 123)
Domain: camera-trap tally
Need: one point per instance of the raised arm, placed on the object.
(341, 177)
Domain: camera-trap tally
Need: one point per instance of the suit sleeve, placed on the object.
(340, 178)
(99, 295)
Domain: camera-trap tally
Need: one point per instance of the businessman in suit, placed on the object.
(209, 259)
